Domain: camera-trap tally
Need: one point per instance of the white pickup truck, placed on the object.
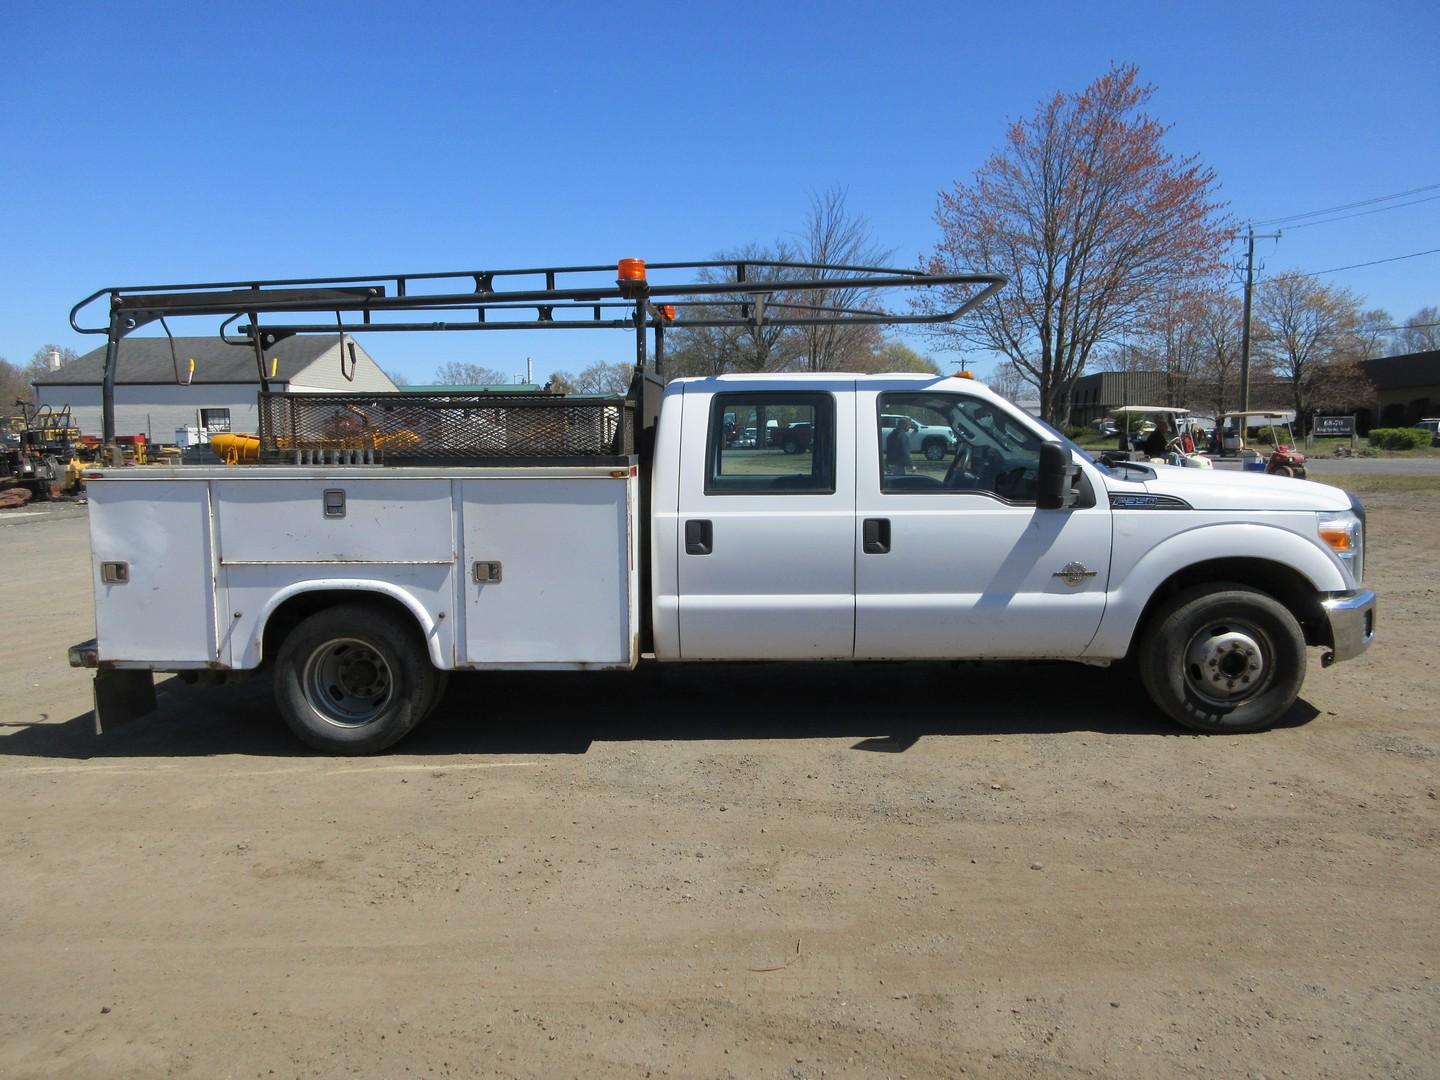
(362, 584)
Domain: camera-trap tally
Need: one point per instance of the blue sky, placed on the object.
(153, 142)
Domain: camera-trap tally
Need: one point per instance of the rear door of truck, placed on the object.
(766, 534)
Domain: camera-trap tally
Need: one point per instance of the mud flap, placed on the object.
(122, 696)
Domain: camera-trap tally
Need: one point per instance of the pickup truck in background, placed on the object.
(934, 440)
(361, 566)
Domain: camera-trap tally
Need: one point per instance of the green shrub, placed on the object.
(1076, 433)
(1266, 437)
(1398, 438)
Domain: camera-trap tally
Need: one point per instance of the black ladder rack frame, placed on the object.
(753, 293)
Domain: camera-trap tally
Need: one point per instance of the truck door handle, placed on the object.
(875, 536)
(699, 537)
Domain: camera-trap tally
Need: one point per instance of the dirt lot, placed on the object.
(880, 871)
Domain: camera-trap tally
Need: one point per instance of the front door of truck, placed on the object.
(952, 557)
(766, 522)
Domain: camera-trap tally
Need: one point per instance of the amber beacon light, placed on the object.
(632, 270)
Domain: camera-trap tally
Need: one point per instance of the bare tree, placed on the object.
(603, 378)
(714, 350)
(895, 356)
(1309, 333)
(1375, 333)
(1172, 341)
(833, 236)
(41, 359)
(562, 382)
(460, 373)
(1422, 331)
(14, 387)
(1219, 331)
(1007, 381)
(1091, 219)
(1128, 356)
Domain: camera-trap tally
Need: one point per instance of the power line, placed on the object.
(1373, 262)
(1352, 266)
(1362, 213)
(1407, 326)
(1347, 206)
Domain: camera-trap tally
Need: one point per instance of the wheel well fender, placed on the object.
(290, 606)
(1293, 571)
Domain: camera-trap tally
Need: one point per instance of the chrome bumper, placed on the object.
(1352, 625)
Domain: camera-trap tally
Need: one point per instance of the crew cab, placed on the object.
(362, 585)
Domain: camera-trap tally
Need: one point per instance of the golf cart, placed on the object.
(1284, 460)
(1136, 422)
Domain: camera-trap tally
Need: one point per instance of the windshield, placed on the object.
(1071, 445)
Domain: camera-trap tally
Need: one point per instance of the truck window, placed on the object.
(985, 451)
(764, 442)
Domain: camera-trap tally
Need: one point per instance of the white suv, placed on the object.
(935, 441)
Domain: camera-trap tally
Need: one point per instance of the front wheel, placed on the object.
(935, 449)
(354, 679)
(1223, 658)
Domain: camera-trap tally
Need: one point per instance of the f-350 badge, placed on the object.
(1074, 573)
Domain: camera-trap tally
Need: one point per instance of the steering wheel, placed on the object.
(959, 465)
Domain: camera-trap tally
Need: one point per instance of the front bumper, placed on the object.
(1352, 624)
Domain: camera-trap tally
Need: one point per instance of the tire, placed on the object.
(791, 446)
(934, 448)
(1284, 470)
(1223, 658)
(354, 679)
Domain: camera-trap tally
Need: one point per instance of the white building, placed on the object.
(154, 394)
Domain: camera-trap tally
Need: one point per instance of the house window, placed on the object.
(215, 419)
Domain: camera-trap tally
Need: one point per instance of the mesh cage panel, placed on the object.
(453, 428)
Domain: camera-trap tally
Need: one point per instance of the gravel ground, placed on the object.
(797, 871)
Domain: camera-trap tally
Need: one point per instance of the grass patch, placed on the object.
(1365, 483)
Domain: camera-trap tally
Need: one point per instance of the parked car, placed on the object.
(933, 440)
(1432, 425)
(794, 439)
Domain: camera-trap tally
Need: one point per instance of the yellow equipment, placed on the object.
(236, 449)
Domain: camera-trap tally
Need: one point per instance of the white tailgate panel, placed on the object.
(386, 521)
(566, 558)
(166, 611)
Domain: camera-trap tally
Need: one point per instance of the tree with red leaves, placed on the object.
(1094, 222)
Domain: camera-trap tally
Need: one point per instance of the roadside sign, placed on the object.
(1333, 425)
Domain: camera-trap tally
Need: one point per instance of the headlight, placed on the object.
(1344, 533)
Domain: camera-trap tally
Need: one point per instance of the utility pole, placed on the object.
(1250, 237)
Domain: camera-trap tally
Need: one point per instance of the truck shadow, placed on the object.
(886, 708)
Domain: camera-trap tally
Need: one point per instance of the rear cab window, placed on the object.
(763, 442)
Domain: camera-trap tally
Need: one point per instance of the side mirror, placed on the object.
(1052, 486)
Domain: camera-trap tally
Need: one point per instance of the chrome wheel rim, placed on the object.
(347, 683)
(1228, 662)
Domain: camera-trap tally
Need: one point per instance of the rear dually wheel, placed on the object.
(354, 679)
